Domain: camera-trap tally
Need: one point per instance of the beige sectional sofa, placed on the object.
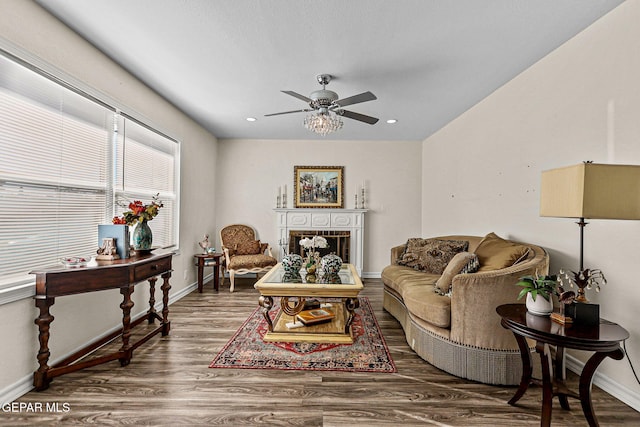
(457, 329)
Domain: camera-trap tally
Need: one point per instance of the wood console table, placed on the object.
(58, 281)
(603, 339)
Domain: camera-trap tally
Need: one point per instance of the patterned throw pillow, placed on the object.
(431, 255)
(248, 248)
(463, 262)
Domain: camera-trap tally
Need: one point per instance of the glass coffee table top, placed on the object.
(344, 277)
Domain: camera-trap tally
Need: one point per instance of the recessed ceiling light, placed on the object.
(392, 121)
(251, 119)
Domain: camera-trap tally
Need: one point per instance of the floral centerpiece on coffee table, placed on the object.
(313, 256)
(139, 214)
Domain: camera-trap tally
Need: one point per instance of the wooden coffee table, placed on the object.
(342, 296)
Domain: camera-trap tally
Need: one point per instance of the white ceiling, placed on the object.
(427, 61)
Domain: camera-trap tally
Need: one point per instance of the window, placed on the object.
(145, 164)
(67, 163)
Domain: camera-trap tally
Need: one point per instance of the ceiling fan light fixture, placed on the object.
(326, 108)
(323, 122)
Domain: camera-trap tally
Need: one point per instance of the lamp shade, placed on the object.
(591, 190)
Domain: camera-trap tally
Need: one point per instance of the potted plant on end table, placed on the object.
(539, 291)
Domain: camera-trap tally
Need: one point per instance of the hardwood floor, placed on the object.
(169, 383)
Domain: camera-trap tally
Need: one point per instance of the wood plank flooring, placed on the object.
(169, 383)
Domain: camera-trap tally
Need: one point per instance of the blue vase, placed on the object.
(142, 236)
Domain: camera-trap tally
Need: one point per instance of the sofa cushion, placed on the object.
(462, 262)
(495, 253)
(423, 302)
(400, 278)
(431, 255)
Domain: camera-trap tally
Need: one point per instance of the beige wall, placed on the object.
(581, 102)
(250, 171)
(30, 32)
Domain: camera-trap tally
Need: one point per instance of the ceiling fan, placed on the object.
(326, 101)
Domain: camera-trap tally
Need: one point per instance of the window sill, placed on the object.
(17, 292)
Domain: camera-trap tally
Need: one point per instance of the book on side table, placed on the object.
(315, 316)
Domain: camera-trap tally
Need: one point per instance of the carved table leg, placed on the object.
(266, 303)
(151, 314)
(350, 304)
(200, 274)
(126, 305)
(547, 384)
(585, 382)
(527, 368)
(216, 275)
(560, 377)
(40, 378)
(166, 324)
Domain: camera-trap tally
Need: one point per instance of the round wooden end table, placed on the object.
(603, 339)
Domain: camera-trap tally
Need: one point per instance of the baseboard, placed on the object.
(620, 392)
(371, 275)
(15, 390)
(25, 385)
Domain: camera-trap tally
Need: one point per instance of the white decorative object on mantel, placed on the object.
(324, 219)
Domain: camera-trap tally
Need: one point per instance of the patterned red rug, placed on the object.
(368, 353)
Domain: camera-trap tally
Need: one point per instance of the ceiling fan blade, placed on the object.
(356, 99)
(296, 95)
(358, 116)
(288, 112)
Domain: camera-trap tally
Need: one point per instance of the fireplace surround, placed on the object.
(343, 228)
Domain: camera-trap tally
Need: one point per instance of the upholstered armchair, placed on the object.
(243, 253)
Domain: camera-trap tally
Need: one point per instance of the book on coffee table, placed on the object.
(316, 315)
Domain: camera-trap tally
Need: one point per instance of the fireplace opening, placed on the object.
(338, 242)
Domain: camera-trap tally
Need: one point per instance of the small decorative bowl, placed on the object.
(75, 261)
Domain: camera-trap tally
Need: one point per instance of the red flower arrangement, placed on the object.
(138, 212)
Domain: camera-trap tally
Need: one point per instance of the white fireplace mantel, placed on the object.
(351, 220)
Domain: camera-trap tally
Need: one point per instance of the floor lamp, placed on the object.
(590, 191)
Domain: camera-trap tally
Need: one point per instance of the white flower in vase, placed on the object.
(310, 244)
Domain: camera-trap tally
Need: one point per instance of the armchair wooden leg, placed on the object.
(231, 279)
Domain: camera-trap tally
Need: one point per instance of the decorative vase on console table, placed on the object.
(142, 236)
(138, 215)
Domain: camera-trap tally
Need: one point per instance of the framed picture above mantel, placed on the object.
(318, 186)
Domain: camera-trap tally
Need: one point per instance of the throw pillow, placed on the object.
(248, 248)
(463, 262)
(495, 253)
(431, 255)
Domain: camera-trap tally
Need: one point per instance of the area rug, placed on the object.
(368, 353)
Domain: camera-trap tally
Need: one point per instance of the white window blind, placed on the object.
(146, 167)
(64, 160)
